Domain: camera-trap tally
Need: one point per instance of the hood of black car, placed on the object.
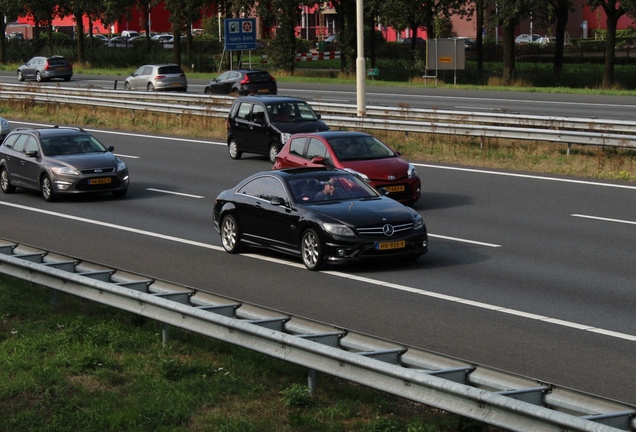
(364, 211)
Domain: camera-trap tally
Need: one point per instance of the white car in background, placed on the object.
(526, 38)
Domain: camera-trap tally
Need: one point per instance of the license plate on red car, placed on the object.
(399, 188)
(101, 180)
(390, 245)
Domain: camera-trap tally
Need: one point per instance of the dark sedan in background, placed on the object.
(322, 215)
(60, 160)
(242, 82)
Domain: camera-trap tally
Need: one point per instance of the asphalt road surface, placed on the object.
(526, 273)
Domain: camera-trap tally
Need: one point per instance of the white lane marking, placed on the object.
(363, 279)
(131, 134)
(464, 240)
(604, 219)
(175, 193)
(529, 176)
(473, 170)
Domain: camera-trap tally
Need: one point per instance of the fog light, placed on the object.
(341, 252)
(425, 243)
(61, 185)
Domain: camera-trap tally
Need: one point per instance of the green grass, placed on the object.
(87, 367)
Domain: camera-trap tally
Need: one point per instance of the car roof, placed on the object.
(304, 172)
(334, 134)
(269, 98)
(53, 131)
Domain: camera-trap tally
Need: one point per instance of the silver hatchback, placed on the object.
(157, 77)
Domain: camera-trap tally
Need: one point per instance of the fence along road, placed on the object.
(564, 130)
(491, 396)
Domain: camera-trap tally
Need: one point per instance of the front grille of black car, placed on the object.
(385, 230)
(98, 170)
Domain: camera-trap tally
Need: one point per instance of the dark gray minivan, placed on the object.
(262, 124)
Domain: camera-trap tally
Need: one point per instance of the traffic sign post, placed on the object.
(240, 34)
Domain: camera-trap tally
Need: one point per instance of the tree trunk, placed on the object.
(610, 51)
(508, 77)
(562, 14)
(479, 38)
(79, 35)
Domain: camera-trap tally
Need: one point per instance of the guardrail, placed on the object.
(488, 395)
(564, 130)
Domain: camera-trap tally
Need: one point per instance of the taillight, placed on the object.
(47, 66)
(245, 79)
(160, 77)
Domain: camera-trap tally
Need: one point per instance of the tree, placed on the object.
(284, 14)
(509, 12)
(43, 12)
(9, 9)
(561, 10)
(613, 9)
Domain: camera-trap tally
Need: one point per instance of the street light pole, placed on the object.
(360, 61)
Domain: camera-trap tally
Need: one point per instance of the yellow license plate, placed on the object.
(263, 90)
(390, 245)
(175, 85)
(399, 188)
(102, 180)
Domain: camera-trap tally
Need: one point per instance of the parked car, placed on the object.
(242, 82)
(469, 44)
(60, 160)
(329, 44)
(4, 129)
(526, 38)
(129, 33)
(118, 42)
(98, 37)
(418, 41)
(286, 211)
(157, 77)
(262, 124)
(45, 69)
(358, 152)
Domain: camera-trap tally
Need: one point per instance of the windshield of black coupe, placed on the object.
(329, 188)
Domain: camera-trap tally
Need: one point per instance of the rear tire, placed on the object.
(5, 184)
(38, 77)
(47, 189)
(233, 150)
(150, 87)
(311, 250)
(230, 234)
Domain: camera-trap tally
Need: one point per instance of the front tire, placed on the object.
(273, 151)
(47, 189)
(127, 86)
(233, 150)
(311, 250)
(20, 77)
(230, 234)
(5, 184)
